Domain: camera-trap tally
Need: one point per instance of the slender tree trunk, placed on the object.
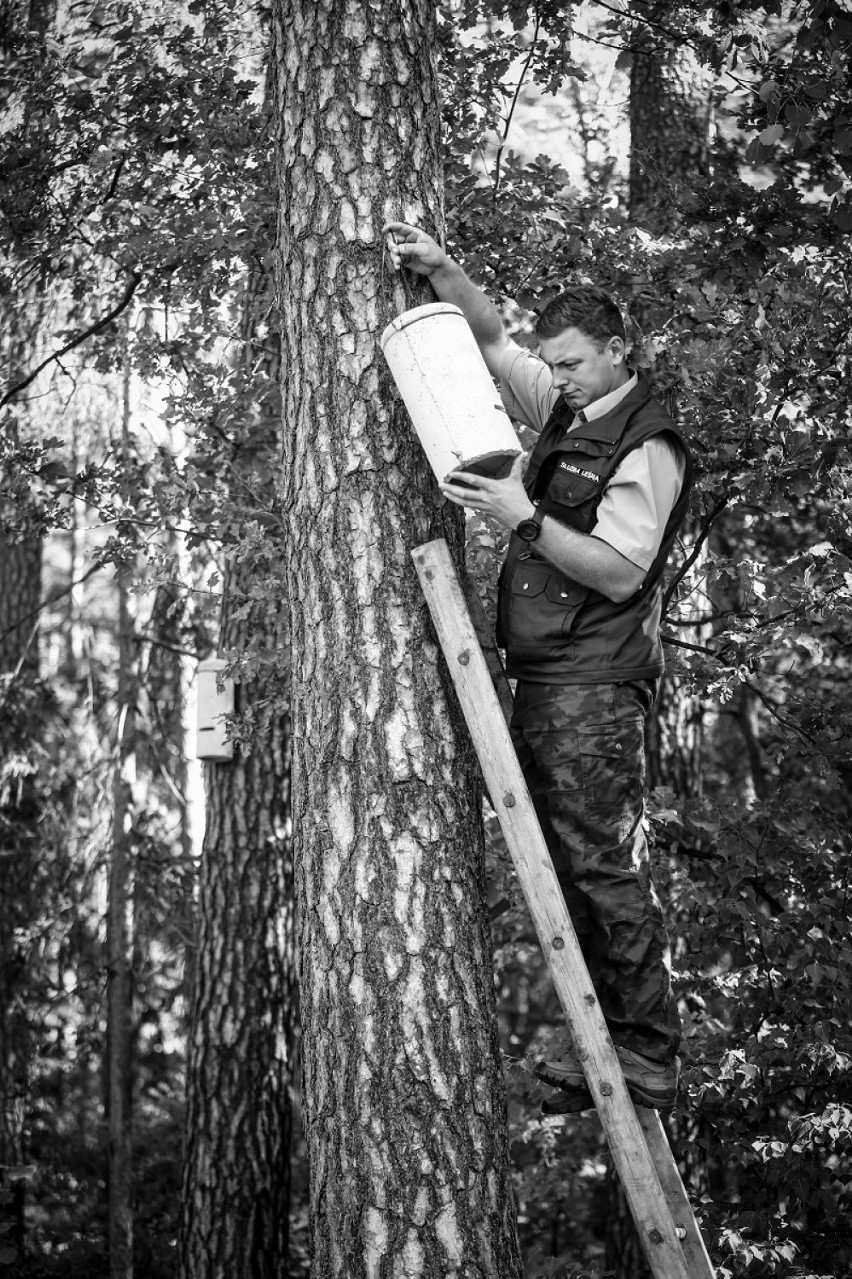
(403, 1094)
(119, 937)
(76, 593)
(20, 589)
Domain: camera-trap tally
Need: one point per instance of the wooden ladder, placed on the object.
(637, 1140)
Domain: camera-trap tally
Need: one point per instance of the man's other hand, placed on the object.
(504, 500)
(410, 247)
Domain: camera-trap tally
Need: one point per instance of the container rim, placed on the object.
(418, 313)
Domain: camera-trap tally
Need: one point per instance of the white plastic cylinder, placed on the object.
(447, 389)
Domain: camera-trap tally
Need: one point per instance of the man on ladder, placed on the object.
(593, 519)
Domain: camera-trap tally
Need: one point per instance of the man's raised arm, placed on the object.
(412, 248)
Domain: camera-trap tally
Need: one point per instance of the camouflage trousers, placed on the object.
(582, 751)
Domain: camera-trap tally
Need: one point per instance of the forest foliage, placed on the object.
(137, 211)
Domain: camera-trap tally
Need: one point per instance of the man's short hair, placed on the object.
(582, 307)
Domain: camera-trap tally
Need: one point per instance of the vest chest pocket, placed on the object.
(568, 488)
(542, 606)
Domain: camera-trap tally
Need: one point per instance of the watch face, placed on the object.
(528, 530)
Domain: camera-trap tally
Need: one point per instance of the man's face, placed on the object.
(581, 371)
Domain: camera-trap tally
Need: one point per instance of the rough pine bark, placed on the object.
(669, 146)
(236, 1173)
(235, 1190)
(20, 596)
(403, 1094)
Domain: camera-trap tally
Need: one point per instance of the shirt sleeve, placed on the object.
(638, 500)
(526, 387)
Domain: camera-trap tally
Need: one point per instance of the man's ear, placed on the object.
(619, 350)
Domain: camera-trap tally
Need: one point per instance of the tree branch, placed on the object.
(170, 648)
(694, 554)
(632, 16)
(782, 719)
(48, 603)
(518, 88)
(695, 648)
(135, 280)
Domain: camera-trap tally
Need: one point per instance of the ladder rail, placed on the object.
(657, 1199)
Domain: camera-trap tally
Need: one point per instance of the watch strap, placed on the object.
(529, 529)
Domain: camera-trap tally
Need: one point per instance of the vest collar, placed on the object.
(611, 426)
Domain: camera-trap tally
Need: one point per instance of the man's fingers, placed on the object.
(416, 250)
(407, 250)
(399, 228)
(467, 478)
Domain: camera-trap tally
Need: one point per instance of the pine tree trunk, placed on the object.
(120, 934)
(670, 119)
(403, 1094)
(236, 1174)
(670, 122)
(20, 590)
(236, 1168)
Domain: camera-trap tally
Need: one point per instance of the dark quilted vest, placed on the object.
(553, 629)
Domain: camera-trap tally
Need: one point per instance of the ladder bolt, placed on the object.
(606, 1089)
(655, 1236)
(558, 943)
(509, 799)
(464, 657)
(680, 1231)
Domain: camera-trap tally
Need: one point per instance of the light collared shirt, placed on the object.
(637, 501)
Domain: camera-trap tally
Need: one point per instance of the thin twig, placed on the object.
(782, 719)
(135, 281)
(171, 648)
(48, 603)
(695, 552)
(633, 16)
(20, 664)
(518, 88)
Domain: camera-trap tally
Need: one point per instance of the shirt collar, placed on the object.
(599, 408)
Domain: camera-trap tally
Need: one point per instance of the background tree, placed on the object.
(236, 1170)
(91, 199)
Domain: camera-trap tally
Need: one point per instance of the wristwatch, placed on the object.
(530, 529)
